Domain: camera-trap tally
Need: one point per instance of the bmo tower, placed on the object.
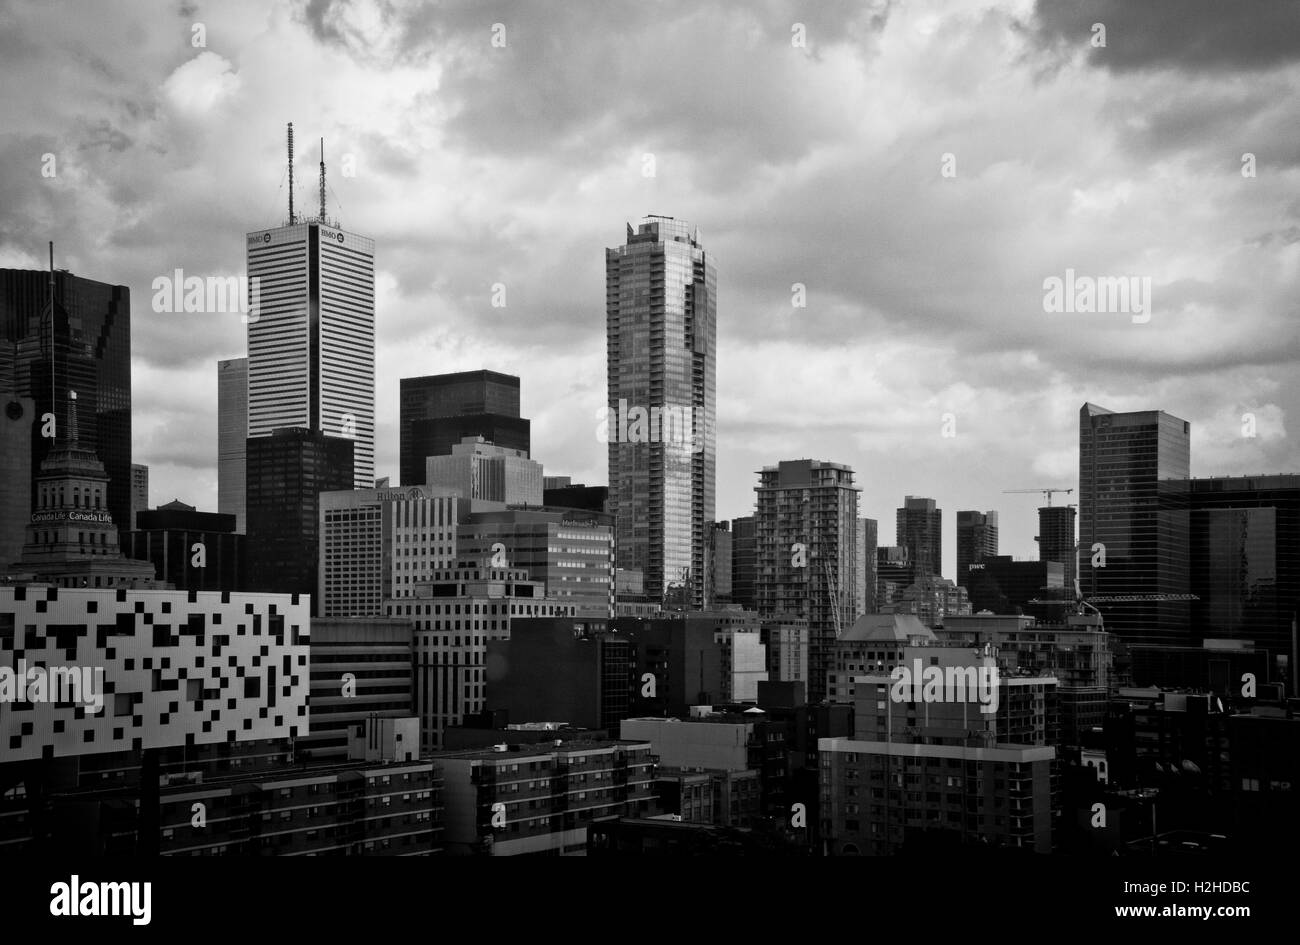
(311, 335)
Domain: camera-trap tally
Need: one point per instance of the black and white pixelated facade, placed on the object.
(172, 668)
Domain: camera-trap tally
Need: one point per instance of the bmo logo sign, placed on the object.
(259, 238)
(332, 235)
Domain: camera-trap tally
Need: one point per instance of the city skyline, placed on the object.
(795, 429)
(898, 271)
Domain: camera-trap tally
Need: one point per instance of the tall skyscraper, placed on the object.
(438, 411)
(661, 332)
(1056, 541)
(919, 529)
(311, 339)
(1132, 523)
(806, 527)
(977, 537)
(91, 355)
(232, 439)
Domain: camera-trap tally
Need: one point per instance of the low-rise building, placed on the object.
(521, 799)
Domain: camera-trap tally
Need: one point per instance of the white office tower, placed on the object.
(311, 332)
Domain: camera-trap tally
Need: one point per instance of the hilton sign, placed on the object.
(410, 495)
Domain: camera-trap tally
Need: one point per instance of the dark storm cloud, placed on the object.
(1189, 35)
(818, 166)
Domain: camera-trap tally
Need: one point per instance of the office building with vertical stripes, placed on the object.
(311, 336)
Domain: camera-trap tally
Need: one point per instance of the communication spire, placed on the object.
(54, 402)
(322, 180)
(292, 219)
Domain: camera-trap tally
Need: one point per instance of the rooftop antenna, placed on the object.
(54, 404)
(322, 180)
(292, 219)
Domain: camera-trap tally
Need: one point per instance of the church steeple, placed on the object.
(71, 521)
(72, 539)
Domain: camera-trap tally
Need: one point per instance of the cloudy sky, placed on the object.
(920, 167)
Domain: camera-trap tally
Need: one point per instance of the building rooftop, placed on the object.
(886, 628)
(513, 752)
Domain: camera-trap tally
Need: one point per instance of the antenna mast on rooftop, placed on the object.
(292, 219)
(322, 180)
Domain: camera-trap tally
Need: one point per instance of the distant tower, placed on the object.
(919, 529)
(232, 440)
(977, 538)
(1056, 540)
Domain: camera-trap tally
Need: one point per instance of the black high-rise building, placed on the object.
(91, 355)
(977, 539)
(287, 472)
(1133, 521)
(1245, 562)
(919, 529)
(719, 551)
(438, 411)
(744, 562)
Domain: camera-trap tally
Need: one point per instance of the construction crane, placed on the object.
(1090, 602)
(1130, 598)
(833, 591)
(1046, 492)
(1120, 599)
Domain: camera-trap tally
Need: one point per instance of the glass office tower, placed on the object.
(661, 332)
(1245, 554)
(91, 355)
(1129, 508)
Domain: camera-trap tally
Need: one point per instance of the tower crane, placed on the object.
(833, 591)
(1046, 492)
